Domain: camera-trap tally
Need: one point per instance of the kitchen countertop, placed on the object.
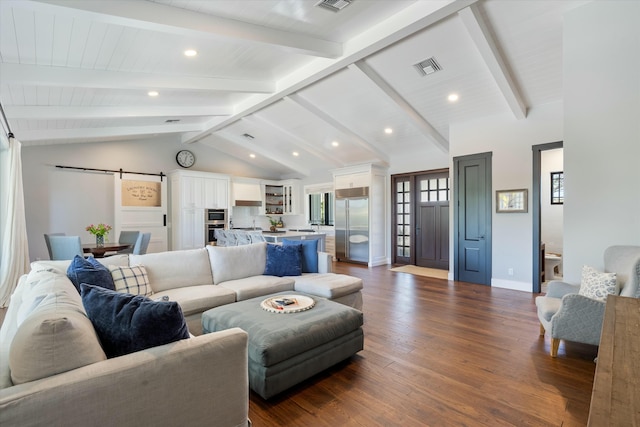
(288, 233)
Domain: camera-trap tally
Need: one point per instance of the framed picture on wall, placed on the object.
(511, 201)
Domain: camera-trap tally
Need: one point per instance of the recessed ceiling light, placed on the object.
(295, 153)
(152, 93)
(190, 52)
(453, 97)
(388, 131)
(335, 143)
(253, 156)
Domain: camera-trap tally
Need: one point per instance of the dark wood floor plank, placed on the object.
(441, 353)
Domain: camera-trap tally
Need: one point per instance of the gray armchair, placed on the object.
(566, 315)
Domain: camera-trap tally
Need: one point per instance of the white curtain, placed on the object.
(14, 252)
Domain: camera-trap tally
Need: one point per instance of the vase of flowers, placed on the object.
(273, 223)
(99, 231)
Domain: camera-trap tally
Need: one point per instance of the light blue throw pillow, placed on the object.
(309, 253)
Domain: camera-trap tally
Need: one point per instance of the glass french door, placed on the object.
(421, 218)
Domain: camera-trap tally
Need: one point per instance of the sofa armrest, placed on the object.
(558, 289)
(578, 319)
(325, 262)
(200, 381)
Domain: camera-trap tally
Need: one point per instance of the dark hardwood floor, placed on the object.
(439, 353)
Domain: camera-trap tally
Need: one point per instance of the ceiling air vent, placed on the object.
(334, 5)
(428, 66)
(248, 135)
(172, 120)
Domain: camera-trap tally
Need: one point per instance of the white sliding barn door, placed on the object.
(141, 205)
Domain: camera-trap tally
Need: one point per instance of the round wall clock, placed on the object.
(185, 158)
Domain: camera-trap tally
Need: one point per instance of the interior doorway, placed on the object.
(548, 200)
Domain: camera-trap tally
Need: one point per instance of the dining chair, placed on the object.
(232, 239)
(65, 247)
(142, 244)
(46, 240)
(221, 237)
(256, 236)
(128, 237)
(242, 237)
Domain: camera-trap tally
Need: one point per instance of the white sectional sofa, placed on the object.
(198, 381)
(200, 279)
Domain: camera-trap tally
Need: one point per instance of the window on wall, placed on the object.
(403, 219)
(557, 188)
(321, 208)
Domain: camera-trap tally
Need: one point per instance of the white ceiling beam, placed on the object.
(363, 69)
(258, 120)
(488, 48)
(336, 124)
(100, 112)
(410, 20)
(173, 20)
(263, 151)
(73, 77)
(87, 134)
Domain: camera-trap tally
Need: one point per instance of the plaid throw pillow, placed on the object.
(132, 280)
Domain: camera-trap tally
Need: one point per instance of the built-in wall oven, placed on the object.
(212, 215)
(214, 219)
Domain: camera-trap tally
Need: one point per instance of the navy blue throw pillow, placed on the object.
(128, 323)
(89, 270)
(309, 253)
(283, 260)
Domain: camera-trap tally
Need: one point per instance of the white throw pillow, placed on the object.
(597, 285)
(55, 337)
(132, 280)
(237, 262)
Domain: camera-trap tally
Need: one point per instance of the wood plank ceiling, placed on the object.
(295, 76)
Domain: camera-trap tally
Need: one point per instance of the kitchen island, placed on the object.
(278, 236)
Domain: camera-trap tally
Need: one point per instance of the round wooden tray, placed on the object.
(301, 303)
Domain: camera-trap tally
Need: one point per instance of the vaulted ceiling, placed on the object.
(275, 77)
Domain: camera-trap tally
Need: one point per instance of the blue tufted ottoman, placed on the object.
(285, 349)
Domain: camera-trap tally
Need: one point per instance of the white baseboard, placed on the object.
(511, 284)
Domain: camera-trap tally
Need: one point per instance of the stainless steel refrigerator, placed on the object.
(352, 224)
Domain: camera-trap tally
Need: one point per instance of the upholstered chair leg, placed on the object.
(555, 343)
(541, 330)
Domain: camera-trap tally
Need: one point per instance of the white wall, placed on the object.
(63, 200)
(599, 124)
(602, 131)
(551, 216)
(510, 140)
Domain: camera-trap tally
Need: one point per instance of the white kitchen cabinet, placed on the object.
(352, 180)
(281, 197)
(216, 193)
(190, 194)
